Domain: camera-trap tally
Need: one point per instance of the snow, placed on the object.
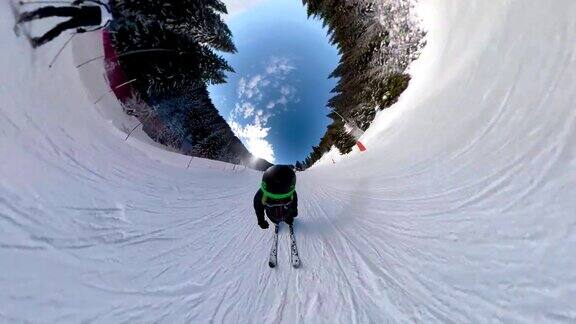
(462, 209)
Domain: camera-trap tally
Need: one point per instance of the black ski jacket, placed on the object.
(275, 214)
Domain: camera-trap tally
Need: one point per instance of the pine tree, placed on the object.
(184, 32)
(169, 47)
(376, 40)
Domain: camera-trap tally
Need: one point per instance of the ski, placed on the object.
(273, 260)
(16, 13)
(294, 257)
(20, 29)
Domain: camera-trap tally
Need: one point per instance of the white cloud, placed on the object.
(254, 137)
(279, 65)
(287, 96)
(286, 90)
(252, 88)
(246, 108)
(241, 87)
(248, 120)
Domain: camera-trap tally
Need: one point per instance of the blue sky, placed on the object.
(276, 100)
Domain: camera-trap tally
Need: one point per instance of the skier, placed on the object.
(96, 14)
(277, 196)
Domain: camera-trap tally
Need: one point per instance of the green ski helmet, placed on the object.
(278, 183)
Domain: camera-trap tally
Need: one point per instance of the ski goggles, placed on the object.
(267, 194)
(286, 204)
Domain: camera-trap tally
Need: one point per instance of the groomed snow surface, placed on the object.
(463, 210)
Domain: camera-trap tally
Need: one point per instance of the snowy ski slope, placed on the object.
(463, 210)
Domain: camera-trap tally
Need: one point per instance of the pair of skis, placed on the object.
(294, 257)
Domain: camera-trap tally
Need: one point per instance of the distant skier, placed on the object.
(95, 15)
(277, 196)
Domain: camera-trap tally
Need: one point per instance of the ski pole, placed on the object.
(61, 50)
(132, 131)
(114, 89)
(188, 167)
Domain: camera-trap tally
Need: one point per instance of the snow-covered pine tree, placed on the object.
(173, 60)
(184, 32)
(377, 40)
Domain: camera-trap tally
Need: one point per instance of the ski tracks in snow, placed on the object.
(461, 210)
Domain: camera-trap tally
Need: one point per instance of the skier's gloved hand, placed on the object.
(263, 224)
(77, 2)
